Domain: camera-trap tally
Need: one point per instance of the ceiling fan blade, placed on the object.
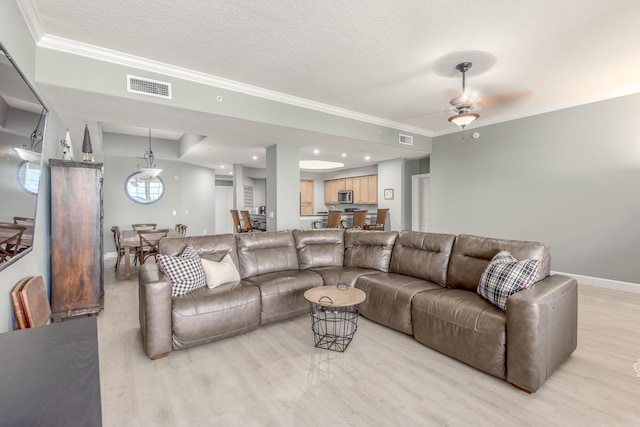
(505, 98)
(431, 113)
(451, 93)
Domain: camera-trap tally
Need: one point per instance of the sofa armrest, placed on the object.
(542, 330)
(154, 305)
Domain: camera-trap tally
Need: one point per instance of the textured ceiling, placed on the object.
(389, 59)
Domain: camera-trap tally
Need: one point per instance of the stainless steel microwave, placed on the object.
(345, 196)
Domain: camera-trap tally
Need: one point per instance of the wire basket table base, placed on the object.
(333, 327)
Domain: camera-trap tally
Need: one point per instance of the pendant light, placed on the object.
(29, 153)
(150, 171)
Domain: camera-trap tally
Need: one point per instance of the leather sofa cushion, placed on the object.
(471, 256)
(364, 249)
(389, 297)
(319, 248)
(261, 253)
(422, 255)
(348, 275)
(213, 247)
(463, 325)
(206, 315)
(282, 293)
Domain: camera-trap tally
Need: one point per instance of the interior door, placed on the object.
(420, 202)
(224, 203)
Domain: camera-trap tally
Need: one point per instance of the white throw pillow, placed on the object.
(219, 273)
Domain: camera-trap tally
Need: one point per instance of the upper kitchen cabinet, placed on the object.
(365, 189)
(306, 197)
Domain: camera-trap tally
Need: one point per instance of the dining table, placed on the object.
(130, 239)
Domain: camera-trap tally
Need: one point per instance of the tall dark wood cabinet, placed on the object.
(77, 279)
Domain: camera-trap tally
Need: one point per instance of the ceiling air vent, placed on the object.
(405, 139)
(148, 87)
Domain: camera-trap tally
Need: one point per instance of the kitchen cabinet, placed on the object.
(365, 189)
(373, 189)
(306, 197)
(331, 192)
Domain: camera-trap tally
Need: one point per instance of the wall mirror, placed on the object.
(22, 127)
(144, 189)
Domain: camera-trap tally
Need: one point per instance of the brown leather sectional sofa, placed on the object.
(422, 284)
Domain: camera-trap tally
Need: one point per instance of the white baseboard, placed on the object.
(108, 255)
(603, 283)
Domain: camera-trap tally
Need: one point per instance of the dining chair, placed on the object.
(381, 220)
(137, 227)
(120, 250)
(150, 242)
(248, 224)
(236, 222)
(10, 237)
(181, 228)
(359, 219)
(334, 220)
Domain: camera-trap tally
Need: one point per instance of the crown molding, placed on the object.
(31, 18)
(48, 41)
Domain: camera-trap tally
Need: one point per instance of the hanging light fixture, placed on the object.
(464, 119)
(150, 171)
(29, 153)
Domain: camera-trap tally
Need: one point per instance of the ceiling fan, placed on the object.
(466, 105)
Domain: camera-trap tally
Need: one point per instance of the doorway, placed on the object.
(421, 202)
(224, 203)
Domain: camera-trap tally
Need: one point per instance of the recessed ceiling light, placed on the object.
(319, 164)
(255, 157)
(316, 151)
(221, 166)
(230, 173)
(367, 157)
(344, 154)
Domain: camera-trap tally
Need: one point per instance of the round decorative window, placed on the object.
(28, 176)
(143, 189)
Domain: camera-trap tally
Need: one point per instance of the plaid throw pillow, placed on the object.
(505, 276)
(185, 271)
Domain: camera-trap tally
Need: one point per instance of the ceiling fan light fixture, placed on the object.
(463, 120)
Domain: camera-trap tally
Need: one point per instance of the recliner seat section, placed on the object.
(418, 263)
(199, 317)
(270, 262)
(460, 323)
(322, 251)
(422, 284)
(341, 257)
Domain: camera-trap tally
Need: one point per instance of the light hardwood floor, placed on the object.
(274, 376)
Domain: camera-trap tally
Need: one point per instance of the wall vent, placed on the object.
(148, 87)
(405, 139)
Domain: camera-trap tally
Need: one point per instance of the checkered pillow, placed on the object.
(505, 276)
(185, 271)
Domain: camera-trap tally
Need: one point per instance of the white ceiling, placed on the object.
(393, 60)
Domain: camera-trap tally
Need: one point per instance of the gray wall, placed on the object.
(189, 191)
(391, 174)
(18, 41)
(569, 178)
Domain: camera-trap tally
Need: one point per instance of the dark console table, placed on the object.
(50, 375)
